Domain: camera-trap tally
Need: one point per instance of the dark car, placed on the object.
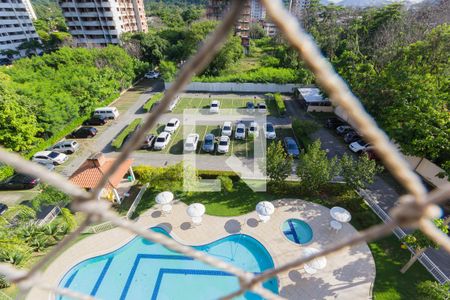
(19, 182)
(3, 208)
(84, 132)
(208, 143)
(291, 147)
(334, 122)
(148, 142)
(250, 107)
(96, 120)
(371, 154)
(351, 136)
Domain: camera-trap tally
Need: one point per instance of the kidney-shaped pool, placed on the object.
(145, 270)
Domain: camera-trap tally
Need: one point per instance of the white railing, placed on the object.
(399, 233)
(3, 296)
(49, 217)
(136, 201)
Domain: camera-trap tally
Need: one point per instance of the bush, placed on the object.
(5, 172)
(226, 182)
(118, 141)
(168, 70)
(280, 103)
(270, 61)
(213, 174)
(260, 75)
(153, 99)
(432, 290)
(3, 282)
(302, 131)
(160, 178)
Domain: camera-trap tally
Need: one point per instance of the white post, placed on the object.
(132, 173)
(116, 195)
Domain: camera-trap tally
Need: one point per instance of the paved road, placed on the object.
(384, 193)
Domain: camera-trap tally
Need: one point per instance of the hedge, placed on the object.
(5, 172)
(213, 174)
(153, 99)
(118, 141)
(280, 103)
(260, 75)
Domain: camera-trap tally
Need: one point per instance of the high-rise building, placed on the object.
(258, 11)
(297, 6)
(216, 10)
(16, 24)
(101, 22)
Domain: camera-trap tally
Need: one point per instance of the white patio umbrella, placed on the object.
(340, 214)
(164, 199)
(196, 211)
(264, 209)
(312, 266)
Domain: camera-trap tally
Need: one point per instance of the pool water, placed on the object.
(297, 231)
(146, 270)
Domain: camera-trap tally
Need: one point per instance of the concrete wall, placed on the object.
(312, 108)
(231, 87)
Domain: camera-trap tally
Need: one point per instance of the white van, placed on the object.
(107, 112)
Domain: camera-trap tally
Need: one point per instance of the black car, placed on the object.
(19, 182)
(96, 120)
(84, 132)
(351, 136)
(3, 208)
(334, 122)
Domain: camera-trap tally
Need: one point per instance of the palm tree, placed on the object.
(69, 218)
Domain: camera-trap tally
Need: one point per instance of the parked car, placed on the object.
(269, 131)
(227, 129)
(250, 107)
(107, 112)
(214, 107)
(3, 208)
(19, 182)
(253, 129)
(174, 103)
(351, 137)
(149, 141)
(343, 129)
(172, 125)
(239, 133)
(162, 140)
(152, 75)
(191, 142)
(97, 120)
(84, 132)
(66, 147)
(359, 146)
(208, 143)
(332, 123)
(262, 108)
(291, 147)
(49, 157)
(48, 166)
(224, 144)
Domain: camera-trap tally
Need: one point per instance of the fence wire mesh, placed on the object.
(416, 209)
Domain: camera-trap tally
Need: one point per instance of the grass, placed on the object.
(203, 103)
(118, 141)
(152, 100)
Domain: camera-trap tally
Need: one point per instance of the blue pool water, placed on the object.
(145, 270)
(297, 231)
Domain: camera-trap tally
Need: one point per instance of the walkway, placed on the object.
(349, 273)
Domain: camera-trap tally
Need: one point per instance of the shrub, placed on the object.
(168, 70)
(213, 174)
(302, 131)
(260, 75)
(153, 99)
(270, 61)
(3, 282)
(432, 290)
(226, 182)
(5, 172)
(118, 141)
(168, 178)
(280, 103)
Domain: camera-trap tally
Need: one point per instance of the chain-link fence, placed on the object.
(414, 210)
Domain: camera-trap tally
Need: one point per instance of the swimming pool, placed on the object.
(297, 231)
(145, 270)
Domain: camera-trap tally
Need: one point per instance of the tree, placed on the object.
(278, 164)
(68, 218)
(256, 31)
(191, 14)
(420, 242)
(9, 53)
(358, 173)
(30, 47)
(315, 169)
(168, 70)
(433, 290)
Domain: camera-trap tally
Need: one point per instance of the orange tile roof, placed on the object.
(90, 173)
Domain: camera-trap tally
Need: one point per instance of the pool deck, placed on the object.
(349, 273)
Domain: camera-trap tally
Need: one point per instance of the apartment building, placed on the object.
(296, 7)
(101, 22)
(258, 11)
(16, 25)
(216, 10)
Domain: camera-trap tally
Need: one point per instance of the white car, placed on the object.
(174, 103)
(269, 131)
(191, 142)
(162, 140)
(253, 129)
(224, 144)
(152, 75)
(239, 134)
(262, 108)
(66, 147)
(214, 107)
(49, 157)
(359, 146)
(227, 129)
(172, 125)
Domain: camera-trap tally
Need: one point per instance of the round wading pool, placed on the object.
(297, 231)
